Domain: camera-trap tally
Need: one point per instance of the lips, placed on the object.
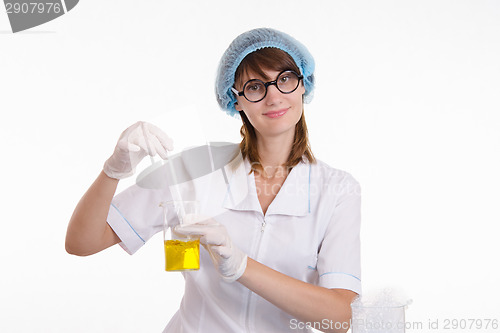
(276, 114)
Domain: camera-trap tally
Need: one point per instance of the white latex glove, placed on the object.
(136, 142)
(229, 261)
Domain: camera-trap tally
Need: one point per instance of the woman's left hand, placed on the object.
(229, 261)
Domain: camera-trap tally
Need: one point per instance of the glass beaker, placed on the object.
(384, 314)
(182, 253)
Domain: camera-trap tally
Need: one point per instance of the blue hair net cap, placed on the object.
(249, 42)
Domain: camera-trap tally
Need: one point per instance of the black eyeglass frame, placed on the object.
(267, 84)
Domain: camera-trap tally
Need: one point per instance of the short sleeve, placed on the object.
(339, 262)
(135, 215)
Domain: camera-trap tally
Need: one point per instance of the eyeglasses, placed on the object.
(255, 90)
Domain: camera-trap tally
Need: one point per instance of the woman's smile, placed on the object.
(276, 114)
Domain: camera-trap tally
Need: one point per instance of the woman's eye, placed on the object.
(284, 79)
(253, 87)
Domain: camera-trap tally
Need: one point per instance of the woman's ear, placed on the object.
(302, 88)
(237, 107)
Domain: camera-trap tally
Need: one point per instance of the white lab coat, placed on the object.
(309, 232)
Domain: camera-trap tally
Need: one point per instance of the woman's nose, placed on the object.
(273, 94)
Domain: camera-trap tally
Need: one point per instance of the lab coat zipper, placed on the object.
(262, 227)
(247, 317)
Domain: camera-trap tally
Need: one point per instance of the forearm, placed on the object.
(88, 231)
(304, 301)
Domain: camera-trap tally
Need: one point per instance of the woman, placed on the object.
(287, 256)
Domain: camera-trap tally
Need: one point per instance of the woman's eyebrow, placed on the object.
(260, 76)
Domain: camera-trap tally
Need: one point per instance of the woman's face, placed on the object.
(275, 115)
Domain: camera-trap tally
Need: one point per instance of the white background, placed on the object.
(407, 100)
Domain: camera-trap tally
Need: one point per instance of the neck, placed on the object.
(274, 152)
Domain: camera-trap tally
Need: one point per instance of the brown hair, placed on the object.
(271, 59)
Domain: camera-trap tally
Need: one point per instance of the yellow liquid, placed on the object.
(182, 255)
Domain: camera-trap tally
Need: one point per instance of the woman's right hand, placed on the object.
(135, 143)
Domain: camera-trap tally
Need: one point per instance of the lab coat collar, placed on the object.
(293, 198)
